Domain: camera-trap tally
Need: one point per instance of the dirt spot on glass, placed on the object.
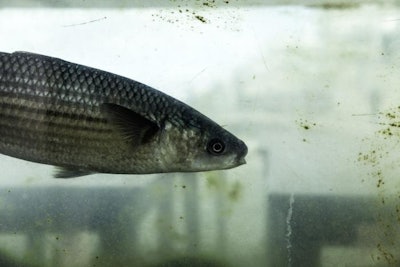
(201, 18)
(305, 124)
(193, 13)
(380, 157)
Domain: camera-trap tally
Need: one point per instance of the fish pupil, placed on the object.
(216, 147)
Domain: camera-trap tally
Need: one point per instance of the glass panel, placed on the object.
(311, 88)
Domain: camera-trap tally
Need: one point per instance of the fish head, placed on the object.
(185, 141)
(219, 150)
(206, 146)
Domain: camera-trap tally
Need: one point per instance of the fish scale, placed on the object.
(85, 120)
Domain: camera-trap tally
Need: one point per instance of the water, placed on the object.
(312, 90)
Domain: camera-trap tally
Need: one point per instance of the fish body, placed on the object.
(85, 120)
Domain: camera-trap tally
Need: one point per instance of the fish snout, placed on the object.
(242, 152)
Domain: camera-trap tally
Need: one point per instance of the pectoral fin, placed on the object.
(63, 172)
(133, 126)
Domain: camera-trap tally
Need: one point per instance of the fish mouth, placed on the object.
(241, 161)
(241, 157)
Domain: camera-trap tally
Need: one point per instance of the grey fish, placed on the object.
(85, 121)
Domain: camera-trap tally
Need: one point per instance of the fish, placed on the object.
(83, 120)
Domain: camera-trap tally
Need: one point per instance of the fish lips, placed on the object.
(240, 159)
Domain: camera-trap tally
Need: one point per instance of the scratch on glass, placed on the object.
(289, 230)
(84, 23)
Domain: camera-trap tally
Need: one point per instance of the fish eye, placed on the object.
(216, 147)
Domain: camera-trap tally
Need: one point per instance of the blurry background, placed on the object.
(312, 87)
